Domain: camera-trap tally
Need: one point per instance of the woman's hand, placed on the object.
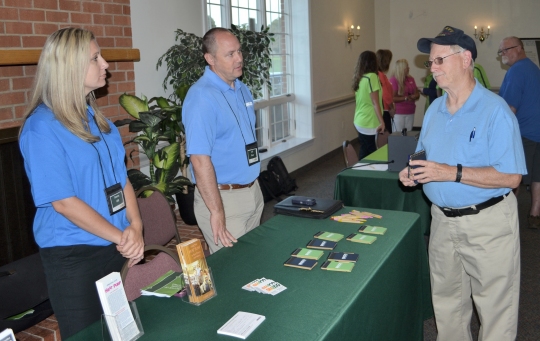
(131, 245)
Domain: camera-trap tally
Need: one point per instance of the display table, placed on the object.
(381, 189)
(385, 297)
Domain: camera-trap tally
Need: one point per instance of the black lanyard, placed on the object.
(99, 156)
(237, 121)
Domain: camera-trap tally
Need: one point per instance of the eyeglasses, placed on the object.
(503, 51)
(438, 60)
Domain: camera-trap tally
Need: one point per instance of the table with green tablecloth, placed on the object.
(385, 297)
(381, 189)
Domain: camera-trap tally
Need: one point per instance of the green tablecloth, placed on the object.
(381, 189)
(385, 297)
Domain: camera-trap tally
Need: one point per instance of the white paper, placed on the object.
(241, 325)
(121, 323)
(7, 335)
(372, 166)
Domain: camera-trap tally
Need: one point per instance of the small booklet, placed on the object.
(321, 244)
(241, 325)
(331, 236)
(301, 263)
(361, 238)
(165, 286)
(337, 266)
(372, 229)
(343, 257)
(307, 253)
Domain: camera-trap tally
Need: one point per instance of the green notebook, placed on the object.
(337, 266)
(372, 229)
(307, 253)
(331, 236)
(361, 238)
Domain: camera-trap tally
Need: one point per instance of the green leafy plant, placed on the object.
(185, 60)
(156, 123)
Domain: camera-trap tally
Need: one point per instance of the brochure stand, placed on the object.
(199, 288)
(122, 330)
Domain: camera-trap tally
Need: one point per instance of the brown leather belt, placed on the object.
(235, 186)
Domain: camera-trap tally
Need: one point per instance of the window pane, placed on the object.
(280, 122)
(259, 127)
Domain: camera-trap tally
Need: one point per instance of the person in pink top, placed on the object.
(384, 57)
(405, 95)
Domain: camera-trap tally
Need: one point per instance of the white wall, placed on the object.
(154, 24)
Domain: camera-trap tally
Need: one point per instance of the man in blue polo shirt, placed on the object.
(474, 160)
(520, 90)
(221, 142)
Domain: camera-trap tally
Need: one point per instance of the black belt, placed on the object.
(458, 212)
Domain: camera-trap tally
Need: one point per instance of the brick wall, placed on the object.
(27, 23)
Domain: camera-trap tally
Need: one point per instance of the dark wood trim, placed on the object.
(31, 56)
(9, 135)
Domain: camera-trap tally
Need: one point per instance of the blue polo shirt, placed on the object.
(60, 165)
(521, 89)
(220, 122)
(447, 139)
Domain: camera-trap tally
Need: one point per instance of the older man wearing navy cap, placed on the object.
(474, 159)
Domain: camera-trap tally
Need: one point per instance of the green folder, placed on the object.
(331, 236)
(337, 266)
(372, 229)
(307, 253)
(361, 238)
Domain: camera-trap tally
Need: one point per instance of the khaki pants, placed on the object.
(476, 255)
(243, 210)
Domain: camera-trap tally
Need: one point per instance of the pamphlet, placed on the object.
(241, 325)
(331, 236)
(307, 253)
(361, 238)
(165, 286)
(118, 315)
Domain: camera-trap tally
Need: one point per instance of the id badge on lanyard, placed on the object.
(252, 153)
(115, 198)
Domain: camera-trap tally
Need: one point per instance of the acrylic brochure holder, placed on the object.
(117, 328)
(199, 288)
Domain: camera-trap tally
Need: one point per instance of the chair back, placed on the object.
(142, 275)
(159, 222)
(381, 139)
(349, 154)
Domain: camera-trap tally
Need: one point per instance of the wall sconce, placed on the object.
(351, 35)
(482, 35)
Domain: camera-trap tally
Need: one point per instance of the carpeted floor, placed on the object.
(317, 180)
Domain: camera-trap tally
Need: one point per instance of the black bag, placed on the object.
(269, 186)
(321, 210)
(277, 167)
(23, 287)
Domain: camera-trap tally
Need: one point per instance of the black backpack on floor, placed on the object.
(269, 186)
(277, 167)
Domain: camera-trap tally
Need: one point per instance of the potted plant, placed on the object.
(185, 61)
(156, 123)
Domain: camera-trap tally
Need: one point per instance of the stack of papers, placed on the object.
(241, 325)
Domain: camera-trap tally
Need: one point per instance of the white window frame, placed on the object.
(267, 102)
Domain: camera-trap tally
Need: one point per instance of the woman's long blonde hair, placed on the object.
(59, 82)
(400, 74)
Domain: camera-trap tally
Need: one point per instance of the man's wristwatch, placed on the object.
(458, 174)
(406, 98)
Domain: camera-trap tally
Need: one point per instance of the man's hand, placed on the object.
(428, 171)
(404, 178)
(131, 245)
(217, 221)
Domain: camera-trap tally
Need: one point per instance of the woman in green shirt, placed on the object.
(368, 118)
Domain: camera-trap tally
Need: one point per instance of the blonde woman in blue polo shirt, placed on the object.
(74, 159)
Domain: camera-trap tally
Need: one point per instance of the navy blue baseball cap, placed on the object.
(449, 36)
